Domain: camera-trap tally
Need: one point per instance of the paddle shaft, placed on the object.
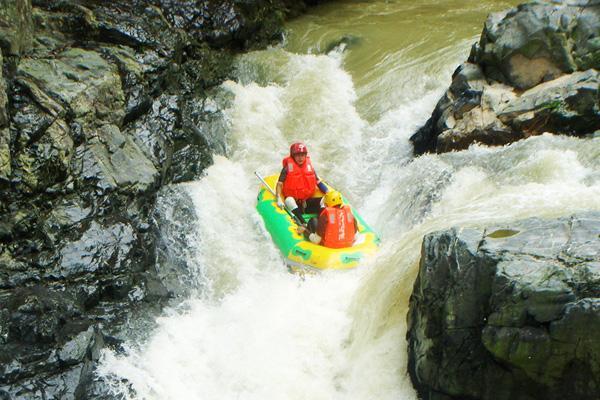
(270, 189)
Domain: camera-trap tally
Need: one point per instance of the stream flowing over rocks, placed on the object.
(534, 70)
(101, 104)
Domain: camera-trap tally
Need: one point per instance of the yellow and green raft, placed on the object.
(301, 254)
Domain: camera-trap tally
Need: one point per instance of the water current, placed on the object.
(354, 80)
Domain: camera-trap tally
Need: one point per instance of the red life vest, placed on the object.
(300, 181)
(337, 227)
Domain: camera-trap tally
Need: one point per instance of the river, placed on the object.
(354, 79)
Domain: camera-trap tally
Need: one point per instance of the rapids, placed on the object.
(251, 330)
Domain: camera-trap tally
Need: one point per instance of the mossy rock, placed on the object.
(16, 27)
(80, 80)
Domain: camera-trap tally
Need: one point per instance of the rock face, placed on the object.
(101, 104)
(508, 312)
(534, 70)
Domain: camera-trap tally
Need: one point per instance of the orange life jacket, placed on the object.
(337, 227)
(301, 181)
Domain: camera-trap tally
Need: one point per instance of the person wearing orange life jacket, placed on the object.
(336, 226)
(297, 183)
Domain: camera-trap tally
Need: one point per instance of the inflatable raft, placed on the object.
(302, 255)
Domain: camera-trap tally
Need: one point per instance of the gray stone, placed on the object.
(80, 80)
(16, 26)
(508, 312)
(113, 161)
(99, 250)
(3, 97)
(535, 42)
(564, 105)
(47, 160)
(5, 157)
(534, 70)
(108, 102)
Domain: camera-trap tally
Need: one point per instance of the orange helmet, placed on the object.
(298, 148)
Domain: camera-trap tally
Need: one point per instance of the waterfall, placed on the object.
(251, 330)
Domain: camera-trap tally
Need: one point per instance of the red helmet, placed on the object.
(298, 148)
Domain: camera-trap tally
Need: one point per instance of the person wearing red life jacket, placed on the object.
(297, 183)
(336, 226)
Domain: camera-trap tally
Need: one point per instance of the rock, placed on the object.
(3, 97)
(172, 216)
(80, 80)
(517, 80)
(112, 161)
(508, 312)
(536, 42)
(74, 360)
(568, 104)
(102, 104)
(100, 250)
(5, 157)
(226, 23)
(47, 160)
(38, 316)
(16, 27)
(344, 43)
(138, 98)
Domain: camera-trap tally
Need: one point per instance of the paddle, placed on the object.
(270, 189)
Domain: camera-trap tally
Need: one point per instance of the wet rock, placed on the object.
(569, 104)
(80, 80)
(517, 80)
(3, 97)
(537, 42)
(226, 23)
(100, 250)
(138, 99)
(346, 42)
(205, 118)
(142, 26)
(172, 216)
(16, 27)
(5, 157)
(508, 312)
(74, 363)
(179, 135)
(39, 317)
(114, 161)
(101, 104)
(47, 160)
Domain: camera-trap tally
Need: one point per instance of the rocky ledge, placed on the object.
(102, 103)
(508, 312)
(534, 70)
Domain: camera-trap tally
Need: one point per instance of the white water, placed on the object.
(255, 331)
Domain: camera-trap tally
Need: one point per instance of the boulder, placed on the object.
(3, 97)
(109, 101)
(568, 104)
(16, 26)
(508, 311)
(534, 70)
(539, 41)
(80, 81)
(5, 157)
